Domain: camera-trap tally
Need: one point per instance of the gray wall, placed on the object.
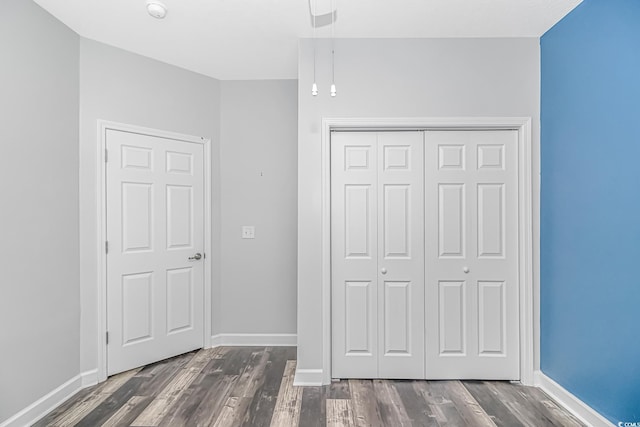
(258, 145)
(398, 78)
(39, 291)
(124, 87)
(57, 87)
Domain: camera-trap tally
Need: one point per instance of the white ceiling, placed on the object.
(257, 39)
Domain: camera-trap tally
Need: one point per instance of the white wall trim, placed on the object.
(308, 378)
(254, 340)
(529, 302)
(41, 407)
(101, 205)
(577, 407)
(89, 378)
(45, 404)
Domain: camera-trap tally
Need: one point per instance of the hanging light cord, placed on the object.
(333, 37)
(314, 86)
(315, 5)
(333, 29)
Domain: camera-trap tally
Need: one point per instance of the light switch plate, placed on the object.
(248, 232)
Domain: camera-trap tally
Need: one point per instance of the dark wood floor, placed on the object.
(253, 386)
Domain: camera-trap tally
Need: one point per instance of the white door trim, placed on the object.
(525, 211)
(101, 255)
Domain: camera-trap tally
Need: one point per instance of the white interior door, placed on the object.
(472, 302)
(377, 255)
(155, 228)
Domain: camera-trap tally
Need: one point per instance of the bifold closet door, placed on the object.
(377, 226)
(472, 302)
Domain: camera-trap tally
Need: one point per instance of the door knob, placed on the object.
(196, 256)
(465, 269)
(383, 270)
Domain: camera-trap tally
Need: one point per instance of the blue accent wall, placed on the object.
(590, 206)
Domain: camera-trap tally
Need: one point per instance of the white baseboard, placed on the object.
(254, 340)
(308, 377)
(55, 398)
(577, 407)
(89, 378)
(45, 404)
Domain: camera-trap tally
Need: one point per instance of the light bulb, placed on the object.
(314, 89)
(333, 89)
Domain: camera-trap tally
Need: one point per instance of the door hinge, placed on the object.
(106, 247)
(106, 155)
(107, 337)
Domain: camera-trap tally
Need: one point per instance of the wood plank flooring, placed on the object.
(253, 387)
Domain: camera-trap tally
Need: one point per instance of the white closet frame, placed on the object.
(529, 302)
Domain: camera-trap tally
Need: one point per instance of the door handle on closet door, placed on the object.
(383, 270)
(465, 269)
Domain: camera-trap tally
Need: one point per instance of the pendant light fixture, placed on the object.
(326, 19)
(333, 62)
(314, 87)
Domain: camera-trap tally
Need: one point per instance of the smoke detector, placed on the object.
(156, 9)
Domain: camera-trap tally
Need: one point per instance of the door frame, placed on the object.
(101, 204)
(522, 125)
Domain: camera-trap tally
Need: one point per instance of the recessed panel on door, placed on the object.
(397, 317)
(179, 216)
(359, 315)
(137, 307)
(491, 156)
(179, 299)
(357, 221)
(137, 216)
(397, 221)
(136, 157)
(452, 312)
(180, 163)
(451, 220)
(491, 318)
(491, 226)
(397, 157)
(357, 157)
(451, 157)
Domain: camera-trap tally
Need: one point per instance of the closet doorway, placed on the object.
(425, 256)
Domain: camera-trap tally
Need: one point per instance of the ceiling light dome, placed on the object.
(156, 9)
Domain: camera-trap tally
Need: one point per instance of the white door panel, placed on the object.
(452, 318)
(155, 222)
(472, 273)
(400, 255)
(137, 298)
(451, 221)
(354, 222)
(377, 267)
